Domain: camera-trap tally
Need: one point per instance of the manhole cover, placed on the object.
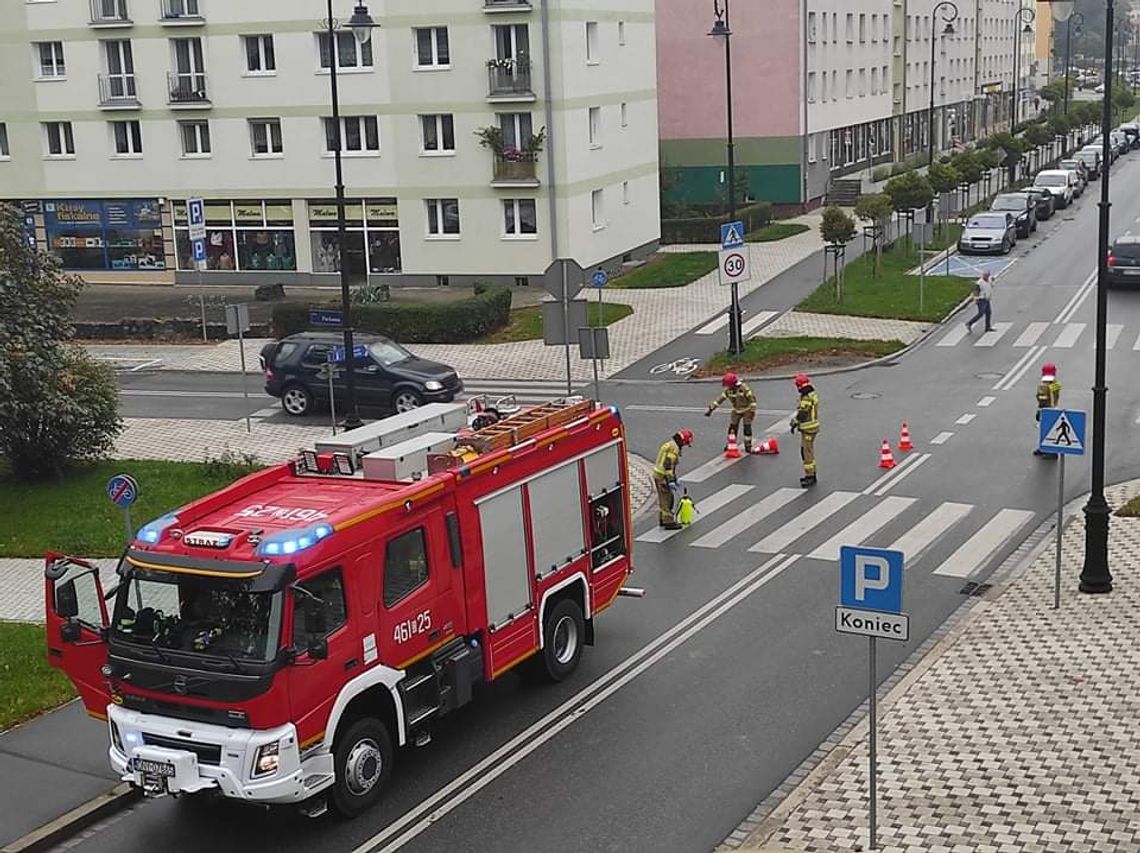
(975, 589)
(865, 395)
(989, 375)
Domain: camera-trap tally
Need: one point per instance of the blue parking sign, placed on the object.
(871, 579)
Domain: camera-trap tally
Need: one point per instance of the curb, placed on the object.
(645, 468)
(71, 823)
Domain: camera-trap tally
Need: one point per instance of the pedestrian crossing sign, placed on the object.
(732, 235)
(1062, 431)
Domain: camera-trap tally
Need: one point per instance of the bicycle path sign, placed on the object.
(734, 266)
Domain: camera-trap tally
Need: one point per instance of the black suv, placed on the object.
(1124, 261)
(1023, 208)
(387, 375)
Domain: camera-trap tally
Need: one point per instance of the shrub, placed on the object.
(909, 191)
(414, 323)
(880, 173)
(706, 229)
(836, 227)
(900, 168)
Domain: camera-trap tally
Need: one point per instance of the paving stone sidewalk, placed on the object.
(1019, 736)
(842, 326)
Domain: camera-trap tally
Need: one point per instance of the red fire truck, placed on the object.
(277, 640)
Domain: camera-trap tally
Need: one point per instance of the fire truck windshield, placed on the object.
(186, 614)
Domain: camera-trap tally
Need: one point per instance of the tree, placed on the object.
(1038, 135)
(969, 165)
(1122, 97)
(876, 209)
(837, 229)
(58, 406)
(943, 179)
(1012, 147)
(909, 191)
(743, 188)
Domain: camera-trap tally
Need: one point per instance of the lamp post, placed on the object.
(1079, 19)
(723, 33)
(361, 26)
(950, 15)
(1019, 17)
(1095, 576)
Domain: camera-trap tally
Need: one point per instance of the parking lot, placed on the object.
(969, 266)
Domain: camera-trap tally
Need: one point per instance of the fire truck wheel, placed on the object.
(562, 640)
(363, 764)
(296, 400)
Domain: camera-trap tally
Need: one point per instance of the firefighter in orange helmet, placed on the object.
(743, 403)
(806, 420)
(665, 477)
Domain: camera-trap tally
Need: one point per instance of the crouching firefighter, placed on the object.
(665, 477)
(806, 420)
(743, 402)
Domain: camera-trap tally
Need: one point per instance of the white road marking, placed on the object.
(754, 324)
(990, 338)
(748, 517)
(986, 402)
(1032, 332)
(1018, 370)
(705, 508)
(966, 418)
(975, 551)
(710, 469)
(866, 525)
(952, 337)
(226, 395)
(942, 438)
(695, 410)
(1112, 331)
(922, 535)
(713, 326)
(1071, 306)
(893, 472)
(1069, 335)
(462, 788)
(890, 484)
(1136, 346)
(811, 517)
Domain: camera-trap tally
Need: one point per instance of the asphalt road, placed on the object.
(699, 699)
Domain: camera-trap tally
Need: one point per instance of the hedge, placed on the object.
(411, 323)
(706, 229)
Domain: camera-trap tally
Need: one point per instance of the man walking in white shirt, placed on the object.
(983, 295)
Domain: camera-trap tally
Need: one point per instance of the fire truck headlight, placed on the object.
(267, 760)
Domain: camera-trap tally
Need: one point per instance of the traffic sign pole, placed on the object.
(872, 755)
(1060, 530)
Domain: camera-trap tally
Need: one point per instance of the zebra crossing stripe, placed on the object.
(705, 508)
(991, 338)
(863, 527)
(1136, 346)
(756, 322)
(922, 535)
(750, 516)
(1029, 337)
(952, 337)
(977, 550)
(714, 325)
(710, 469)
(1068, 337)
(1113, 331)
(810, 518)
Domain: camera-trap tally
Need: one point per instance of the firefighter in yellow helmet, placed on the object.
(1048, 397)
(806, 420)
(743, 403)
(665, 477)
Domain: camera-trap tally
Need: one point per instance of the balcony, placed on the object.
(507, 6)
(110, 13)
(182, 13)
(516, 169)
(187, 90)
(118, 92)
(509, 80)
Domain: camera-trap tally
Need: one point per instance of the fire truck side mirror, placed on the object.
(66, 600)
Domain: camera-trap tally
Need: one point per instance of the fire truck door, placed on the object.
(418, 609)
(76, 621)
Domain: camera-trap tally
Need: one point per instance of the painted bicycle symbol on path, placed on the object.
(681, 366)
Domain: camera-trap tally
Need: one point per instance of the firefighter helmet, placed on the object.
(1049, 371)
(684, 437)
(802, 380)
(730, 380)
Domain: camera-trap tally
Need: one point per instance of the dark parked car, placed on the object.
(1023, 208)
(1042, 199)
(988, 232)
(1124, 261)
(387, 375)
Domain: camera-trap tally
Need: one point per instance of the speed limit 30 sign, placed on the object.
(734, 266)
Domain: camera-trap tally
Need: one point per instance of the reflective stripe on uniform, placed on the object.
(807, 413)
(741, 398)
(667, 458)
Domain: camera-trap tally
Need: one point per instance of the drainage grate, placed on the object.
(975, 589)
(865, 395)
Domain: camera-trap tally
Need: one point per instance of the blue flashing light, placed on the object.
(290, 542)
(152, 531)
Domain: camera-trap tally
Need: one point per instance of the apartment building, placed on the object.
(827, 88)
(482, 139)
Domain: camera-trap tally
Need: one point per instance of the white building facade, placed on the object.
(113, 112)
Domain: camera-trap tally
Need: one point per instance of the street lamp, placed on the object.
(1095, 576)
(1019, 17)
(950, 15)
(1079, 19)
(723, 33)
(361, 26)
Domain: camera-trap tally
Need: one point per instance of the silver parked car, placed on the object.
(985, 233)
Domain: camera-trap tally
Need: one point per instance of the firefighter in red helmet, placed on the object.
(806, 420)
(1048, 397)
(743, 401)
(665, 477)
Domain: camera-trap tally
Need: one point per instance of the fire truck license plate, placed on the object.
(158, 769)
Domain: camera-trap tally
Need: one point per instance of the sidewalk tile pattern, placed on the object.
(841, 326)
(1020, 737)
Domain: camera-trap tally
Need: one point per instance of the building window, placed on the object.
(862, 82)
(621, 33)
(625, 192)
(372, 237)
(442, 216)
(58, 139)
(124, 234)
(50, 59)
(259, 55)
(593, 49)
(250, 235)
(432, 48)
(874, 81)
(862, 28)
(519, 217)
(850, 28)
(360, 135)
(595, 127)
(598, 209)
(350, 54)
(517, 129)
(195, 136)
(811, 28)
(437, 133)
(5, 153)
(127, 138)
(624, 114)
(811, 87)
(849, 87)
(265, 137)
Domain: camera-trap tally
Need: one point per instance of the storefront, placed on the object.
(372, 239)
(121, 234)
(242, 236)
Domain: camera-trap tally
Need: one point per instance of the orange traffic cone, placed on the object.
(768, 447)
(904, 439)
(732, 450)
(886, 458)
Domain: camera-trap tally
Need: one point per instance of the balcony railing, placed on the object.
(182, 12)
(507, 5)
(187, 89)
(518, 167)
(509, 78)
(110, 13)
(118, 90)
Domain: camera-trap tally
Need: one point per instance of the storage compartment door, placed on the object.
(556, 519)
(505, 569)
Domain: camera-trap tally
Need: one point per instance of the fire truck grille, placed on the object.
(208, 753)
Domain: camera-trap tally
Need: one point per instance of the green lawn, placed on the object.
(766, 353)
(75, 515)
(776, 231)
(893, 294)
(668, 270)
(526, 323)
(1130, 509)
(28, 685)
